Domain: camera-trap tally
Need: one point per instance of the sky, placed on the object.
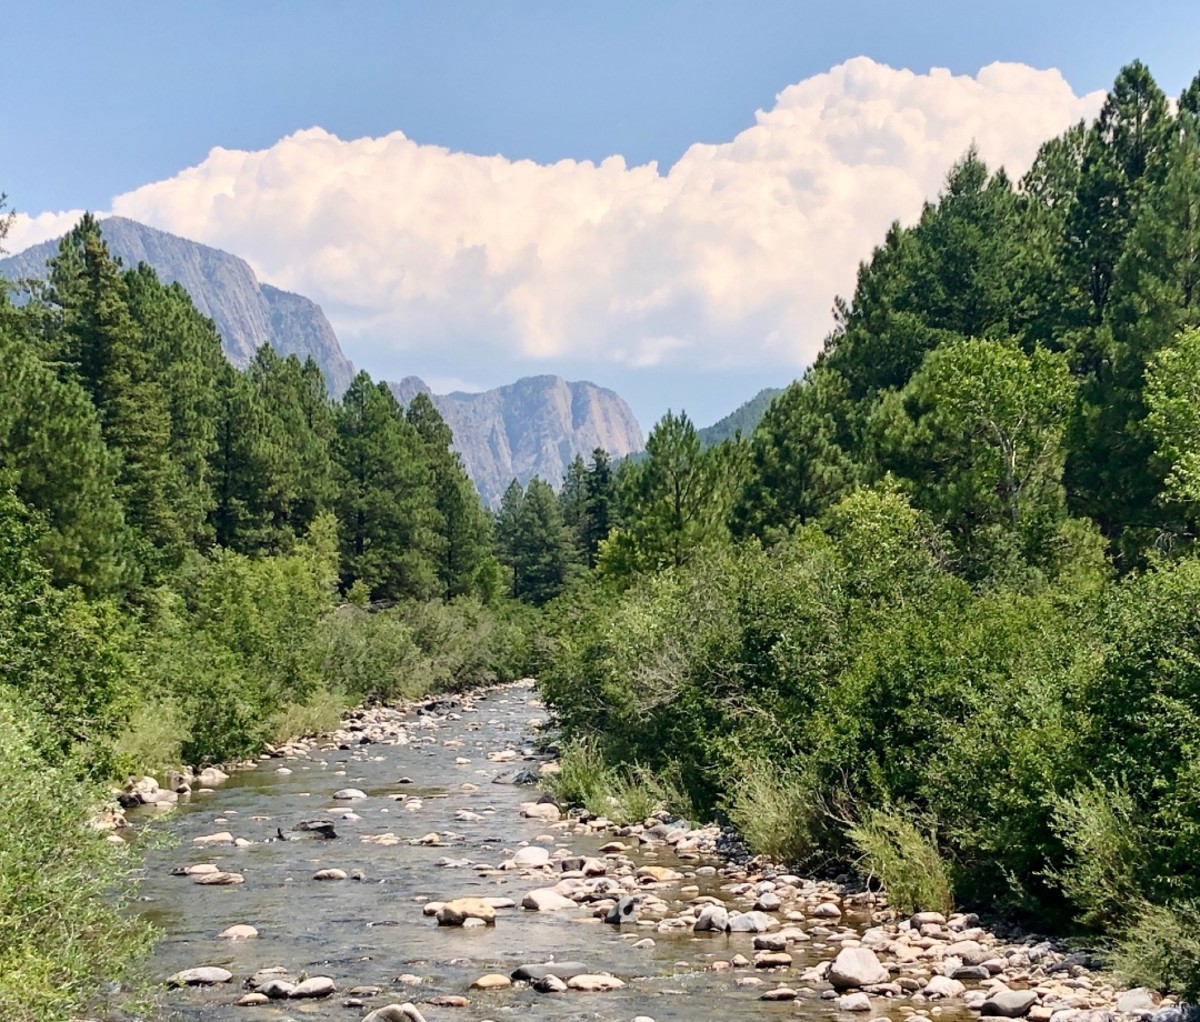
(664, 198)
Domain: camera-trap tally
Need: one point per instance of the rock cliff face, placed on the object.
(224, 288)
(532, 427)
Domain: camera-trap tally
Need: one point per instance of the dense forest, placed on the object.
(934, 619)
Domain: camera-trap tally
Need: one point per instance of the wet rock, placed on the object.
(458, 911)
(241, 931)
(221, 838)
(712, 918)
(349, 794)
(856, 967)
(970, 972)
(449, 1001)
(277, 989)
(624, 911)
(406, 1012)
(549, 985)
(563, 970)
(772, 960)
(492, 981)
(331, 874)
(854, 1002)
(252, 1000)
(594, 984)
(317, 986)
(211, 777)
(208, 975)
(516, 777)
(1009, 1003)
(943, 986)
(778, 994)
(219, 879)
(826, 910)
(545, 811)
(546, 899)
(531, 856)
(771, 942)
(751, 922)
(768, 901)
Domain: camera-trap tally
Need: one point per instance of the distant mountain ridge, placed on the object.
(742, 419)
(533, 427)
(224, 288)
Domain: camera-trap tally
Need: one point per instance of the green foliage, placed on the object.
(1160, 950)
(776, 810)
(904, 857)
(62, 886)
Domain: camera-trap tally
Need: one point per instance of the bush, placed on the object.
(775, 810)
(905, 859)
(62, 887)
(1161, 950)
(583, 778)
(152, 741)
(321, 714)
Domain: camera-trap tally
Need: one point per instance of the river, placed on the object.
(372, 931)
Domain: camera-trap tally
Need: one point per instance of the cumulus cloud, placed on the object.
(730, 258)
(32, 230)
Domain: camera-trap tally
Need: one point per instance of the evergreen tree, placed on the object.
(540, 548)
(461, 528)
(603, 511)
(385, 509)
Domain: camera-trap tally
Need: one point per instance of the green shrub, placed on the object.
(904, 858)
(320, 714)
(775, 810)
(152, 741)
(1161, 949)
(62, 887)
(583, 778)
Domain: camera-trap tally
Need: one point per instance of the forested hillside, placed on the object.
(187, 555)
(936, 618)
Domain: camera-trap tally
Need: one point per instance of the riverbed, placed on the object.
(372, 932)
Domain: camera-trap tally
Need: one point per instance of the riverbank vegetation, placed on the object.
(196, 560)
(936, 618)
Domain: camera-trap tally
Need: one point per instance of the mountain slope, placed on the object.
(224, 288)
(534, 426)
(742, 419)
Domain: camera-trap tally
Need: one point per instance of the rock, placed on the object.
(406, 1012)
(219, 879)
(252, 1000)
(944, 986)
(549, 985)
(969, 972)
(594, 984)
(221, 838)
(531, 856)
(317, 986)
(449, 1001)
(624, 911)
(458, 911)
(1177, 1013)
(211, 777)
(854, 1002)
(207, 975)
(752, 922)
(659, 874)
(277, 989)
(778, 994)
(1137, 1000)
(330, 874)
(546, 899)
(643, 945)
(856, 967)
(240, 932)
(768, 901)
(564, 970)
(492, 981)
(826, 910)
(349, 794)
(771, 942)
(546, 811)
(1009, 1003)
(926, 919)
(712, 918)
(772, 959)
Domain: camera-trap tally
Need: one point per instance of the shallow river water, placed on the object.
(372, 931)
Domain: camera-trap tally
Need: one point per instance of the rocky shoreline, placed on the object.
(792, 938)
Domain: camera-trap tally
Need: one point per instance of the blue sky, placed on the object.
(103, 99)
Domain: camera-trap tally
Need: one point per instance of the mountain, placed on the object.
(532, 427)
(224, 288)
(741, 420)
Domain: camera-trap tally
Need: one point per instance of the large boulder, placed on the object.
(546, 899)
(856, 967)
(1009, 1003)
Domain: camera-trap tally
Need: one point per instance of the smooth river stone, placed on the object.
(204, 976)
(242, 931)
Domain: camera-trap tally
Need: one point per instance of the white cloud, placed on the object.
(731, 258)
(33, 230)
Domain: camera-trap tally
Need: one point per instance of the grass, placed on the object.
(152, 741)
(905, 859)
(774, 811)
(624, 795)
(320, 714)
